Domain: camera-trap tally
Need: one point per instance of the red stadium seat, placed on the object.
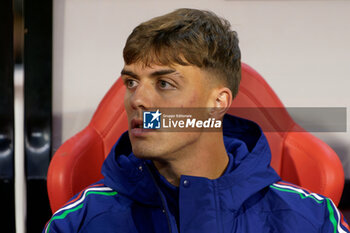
(297, 156)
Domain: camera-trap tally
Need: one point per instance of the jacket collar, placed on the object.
(249, 173)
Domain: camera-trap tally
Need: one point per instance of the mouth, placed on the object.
(136, 124)
(137, 130)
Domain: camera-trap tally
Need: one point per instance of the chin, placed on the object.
(144, 153)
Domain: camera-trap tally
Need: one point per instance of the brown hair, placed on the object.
(188, 37)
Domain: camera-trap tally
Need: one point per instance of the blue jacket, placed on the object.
(249, 197)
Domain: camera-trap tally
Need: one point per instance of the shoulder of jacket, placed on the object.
(294, 193)
(90, 202)
(317, 209)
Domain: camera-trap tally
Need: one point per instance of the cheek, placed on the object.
(127, 102)
(193, 100)
(189, 98)
(196, 99)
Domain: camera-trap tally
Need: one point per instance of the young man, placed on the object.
(196, 181)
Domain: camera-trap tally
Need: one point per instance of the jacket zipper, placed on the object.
(161, 198)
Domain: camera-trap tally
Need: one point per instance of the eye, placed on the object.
(165, 85)
(130, 83)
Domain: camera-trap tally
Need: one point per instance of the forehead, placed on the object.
(187, 71)
(142, 69)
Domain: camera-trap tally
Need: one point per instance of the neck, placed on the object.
(205, 158)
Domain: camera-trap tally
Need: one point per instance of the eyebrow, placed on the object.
(155, 73)
(127, 72)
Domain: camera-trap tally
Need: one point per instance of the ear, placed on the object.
(223, 101)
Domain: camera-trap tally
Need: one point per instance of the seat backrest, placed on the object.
(297, 156)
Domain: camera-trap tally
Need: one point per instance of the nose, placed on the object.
(142, 96)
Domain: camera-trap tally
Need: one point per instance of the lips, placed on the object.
(136, 124)
(137, 130)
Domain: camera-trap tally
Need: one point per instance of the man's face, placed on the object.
(162, 87)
